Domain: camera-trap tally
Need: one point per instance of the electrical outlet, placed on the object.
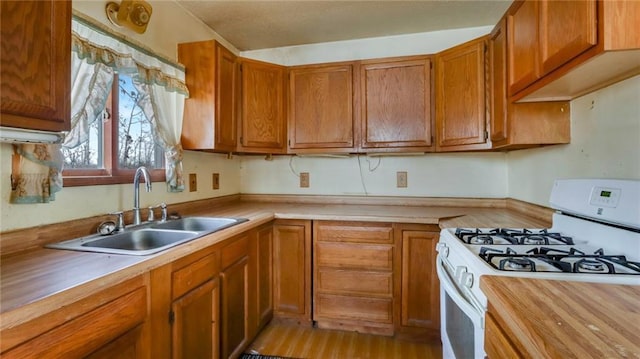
(216, 181)
(401, 179)
(304, 179)
(193, 182)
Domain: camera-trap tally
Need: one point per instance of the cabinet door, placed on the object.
(567, 28)
(226, 92)
(89, 332)
(292, 269)
(498, 56)
(127, 346)
(522, 45)
(265, 275)
(262, 126)
(420, 286)
(210, 111)
(195, 329)
(460, 97)
(321, 112)
(396, 104)
(35, 64)
(235, 303)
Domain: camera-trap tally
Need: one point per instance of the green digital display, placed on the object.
(606, 194)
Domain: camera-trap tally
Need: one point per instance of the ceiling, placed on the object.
(252, 25)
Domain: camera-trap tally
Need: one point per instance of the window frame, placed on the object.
(110, 174)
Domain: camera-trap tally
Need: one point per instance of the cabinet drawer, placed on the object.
(357, 282)
(360, 232)
(346, 255)
(234, 251)
(194, 274)
(88, 332)
(353, 308)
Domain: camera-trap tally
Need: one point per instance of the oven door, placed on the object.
(462, 320)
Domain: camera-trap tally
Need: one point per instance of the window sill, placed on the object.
(77, 181)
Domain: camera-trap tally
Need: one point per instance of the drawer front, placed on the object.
(194, 274)
(353, 232)
(234, 251)
(329, 306)
(359, 256)
(378, 284)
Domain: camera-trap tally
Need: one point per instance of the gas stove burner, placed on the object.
(590, 265)
(480, 239)
(517, 264)
(501, 236)
(535, 240)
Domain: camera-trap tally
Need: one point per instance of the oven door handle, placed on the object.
(457, 296)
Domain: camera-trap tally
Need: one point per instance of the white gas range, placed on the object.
(595, 237)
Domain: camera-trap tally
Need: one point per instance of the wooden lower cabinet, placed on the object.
(264, 275)
(196, 326)
(353, 276)
(418, 311)
(194, 312)
(234, 311)
(497, 343)
(109, 324)
(292, 270)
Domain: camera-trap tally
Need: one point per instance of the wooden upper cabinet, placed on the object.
(460, 97)
(560, 50)
(262, 123)
(520, 125)
(321, 108)
(498, 70)
(35, 65)
(396, 105)
(210, 111)
(524, 62)
(567, 28)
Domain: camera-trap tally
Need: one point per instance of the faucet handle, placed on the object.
(163, 207)
(151, 216)
(120, 215)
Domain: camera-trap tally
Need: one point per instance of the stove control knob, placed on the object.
(442, 249)
(467, 279)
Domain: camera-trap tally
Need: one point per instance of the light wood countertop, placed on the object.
(42, 280)
(562, 319)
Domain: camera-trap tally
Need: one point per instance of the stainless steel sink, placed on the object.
(149, 238)
(200, 224)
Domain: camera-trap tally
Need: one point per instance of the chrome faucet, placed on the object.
(136, 191)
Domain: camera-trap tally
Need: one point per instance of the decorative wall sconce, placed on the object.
(132, 14)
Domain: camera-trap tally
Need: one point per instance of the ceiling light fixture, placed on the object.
(132, 14)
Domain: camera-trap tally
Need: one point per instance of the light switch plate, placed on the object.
(401, 179)
(193, 182)
(304, 179)
(215, 180)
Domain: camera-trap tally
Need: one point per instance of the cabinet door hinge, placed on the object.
(172, 317)
(486, 135)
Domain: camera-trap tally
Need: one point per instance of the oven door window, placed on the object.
(460, 329)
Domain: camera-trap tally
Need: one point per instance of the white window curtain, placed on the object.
(161, 80)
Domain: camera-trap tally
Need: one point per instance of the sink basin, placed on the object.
(200, 224)
(151, 238)
(141, 240)
(137, 242)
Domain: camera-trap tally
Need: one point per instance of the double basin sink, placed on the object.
(150, 238)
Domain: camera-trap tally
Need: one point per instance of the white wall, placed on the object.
(431, 175)
(169, 25)
(605, 143)
(389, 46)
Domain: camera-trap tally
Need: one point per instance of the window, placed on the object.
(119, 142)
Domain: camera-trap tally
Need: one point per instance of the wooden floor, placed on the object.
(309, 343)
